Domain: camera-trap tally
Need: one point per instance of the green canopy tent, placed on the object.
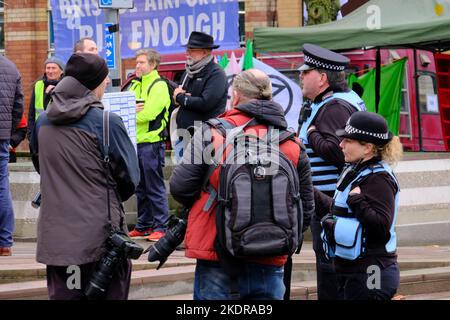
(422, 24)
(418, 24)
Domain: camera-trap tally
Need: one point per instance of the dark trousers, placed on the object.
(327, 285)
(59, 278)
(151, 192)
(353, 286)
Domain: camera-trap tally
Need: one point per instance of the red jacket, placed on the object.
(18, 134)
(201, 228)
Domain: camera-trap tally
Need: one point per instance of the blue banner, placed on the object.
(163, 25)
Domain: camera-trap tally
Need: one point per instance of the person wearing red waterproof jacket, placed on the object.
(262, 277)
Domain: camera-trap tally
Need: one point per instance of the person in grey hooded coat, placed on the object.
(67, 150)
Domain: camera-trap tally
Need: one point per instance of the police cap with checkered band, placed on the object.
(320, 58)
(366, 126)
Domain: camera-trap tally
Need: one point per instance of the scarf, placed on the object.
(193, 69)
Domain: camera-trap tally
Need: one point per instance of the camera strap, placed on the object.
(106, 162)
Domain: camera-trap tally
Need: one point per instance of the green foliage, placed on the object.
(322, 11)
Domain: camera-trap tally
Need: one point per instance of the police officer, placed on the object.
(329, 104)
(364, 211)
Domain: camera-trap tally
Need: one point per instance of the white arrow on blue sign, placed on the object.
(110, 56)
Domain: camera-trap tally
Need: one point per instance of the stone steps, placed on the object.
(303, 270)
(174, 283)
(423, 284)
(445, 295)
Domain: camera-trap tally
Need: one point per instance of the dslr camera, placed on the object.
(162, 249)
(119, 248)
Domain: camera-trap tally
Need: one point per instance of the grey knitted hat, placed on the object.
(55, 60)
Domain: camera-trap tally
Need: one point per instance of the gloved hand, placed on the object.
(328, 223)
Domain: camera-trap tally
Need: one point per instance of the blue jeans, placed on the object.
(6, 206)
(153, 208)
(257, 282)
(353, 286)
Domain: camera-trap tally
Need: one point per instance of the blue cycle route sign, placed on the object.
(106, 2)
(116, 4)
(109, 47)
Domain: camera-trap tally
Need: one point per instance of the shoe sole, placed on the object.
(139, 237)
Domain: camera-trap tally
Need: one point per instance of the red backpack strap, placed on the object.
(286, 136)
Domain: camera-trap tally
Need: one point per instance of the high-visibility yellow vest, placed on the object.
(39, 97)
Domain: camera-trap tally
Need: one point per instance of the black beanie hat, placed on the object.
(88, 68)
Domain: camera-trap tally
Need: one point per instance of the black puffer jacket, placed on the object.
(187, 178)
(11, 98)
(207, 96)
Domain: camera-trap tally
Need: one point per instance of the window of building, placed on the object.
(427, 93)
(51, 34)
(242, 22)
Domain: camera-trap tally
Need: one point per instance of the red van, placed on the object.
(434, 131)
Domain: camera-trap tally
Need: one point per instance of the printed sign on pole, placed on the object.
(109, 48)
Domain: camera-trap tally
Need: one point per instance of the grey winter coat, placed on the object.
(67, 150)
(11, 98)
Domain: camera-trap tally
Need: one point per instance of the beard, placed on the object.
(190, 61)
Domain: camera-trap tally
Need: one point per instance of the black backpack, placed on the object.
(259, 210)
(171, 87)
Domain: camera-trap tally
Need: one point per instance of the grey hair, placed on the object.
(152, 56)
(253, 87)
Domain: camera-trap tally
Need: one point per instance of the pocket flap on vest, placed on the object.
(346, 232)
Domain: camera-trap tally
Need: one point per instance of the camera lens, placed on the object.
(162, 249)
(103, 275)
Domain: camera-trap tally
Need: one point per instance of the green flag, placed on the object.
(248, 56)
(223, 62)
(390, 91)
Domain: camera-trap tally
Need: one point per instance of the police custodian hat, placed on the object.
(320, 58)
(366, 126)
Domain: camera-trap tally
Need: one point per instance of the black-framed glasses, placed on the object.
(307, 71)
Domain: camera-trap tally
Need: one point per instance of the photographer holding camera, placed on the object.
(81, 230)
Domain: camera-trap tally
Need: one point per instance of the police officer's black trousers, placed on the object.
(327, 285)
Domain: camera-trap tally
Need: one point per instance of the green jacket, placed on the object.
(151, 122)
